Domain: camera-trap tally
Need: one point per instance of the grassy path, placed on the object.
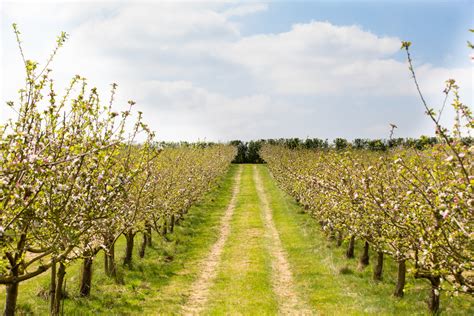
(246, 249)
(277, 261)
(243, 284)
(282, 278)
(200, 288)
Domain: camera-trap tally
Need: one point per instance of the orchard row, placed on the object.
(75, 176)
(414, 206)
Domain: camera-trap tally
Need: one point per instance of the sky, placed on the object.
(219, 71)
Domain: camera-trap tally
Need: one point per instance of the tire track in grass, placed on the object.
(200, 288)
(282, 278)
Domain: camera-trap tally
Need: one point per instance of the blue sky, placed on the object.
(438, 28)
(249, 70)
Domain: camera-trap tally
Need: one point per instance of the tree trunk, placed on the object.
(164, 229)
(12, 288)
(58, 295)
(52, 288)
(143, 246)
(11, 298)
(433, 302)
(127, 260)
(339, 239)
(378, 269)
(106, 262)
(172, 222)
(350, 248)
(112, 267)
(148, 239)
(180, 217)
(402, 269)
(86, 277)
(364, 259)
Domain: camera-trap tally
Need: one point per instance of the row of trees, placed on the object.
(74, 178)
(358, 143)
(248, 152)
(415, 205)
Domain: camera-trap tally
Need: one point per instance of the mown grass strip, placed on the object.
(243, 285)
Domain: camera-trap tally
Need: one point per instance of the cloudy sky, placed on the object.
(248, 70)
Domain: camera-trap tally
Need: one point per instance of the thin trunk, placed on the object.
(86, 277)
(127, 260)
(108, 255)
(378, 269)
(112, 268)
(339, 239)
(143, 246)
(164, 229)
(11, 298)
(12, 288)
(402, 269)
(178, 218)
(112, 264)
(172, 222)
(364, 259)
(52, 287)
(106, 262)
(433, 302)
(58, 295)
(350, 248)
(64, 293)
(148, 232)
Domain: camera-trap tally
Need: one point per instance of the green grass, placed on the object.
(334, 285)
(156, 284)
(243, 284)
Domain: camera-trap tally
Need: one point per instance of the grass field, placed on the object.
(244, 282)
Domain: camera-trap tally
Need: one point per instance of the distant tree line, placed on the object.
(248, 152)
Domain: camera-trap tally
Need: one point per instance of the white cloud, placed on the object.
(245, 9)
(322, 58)
(180, 103)
(194, 73)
